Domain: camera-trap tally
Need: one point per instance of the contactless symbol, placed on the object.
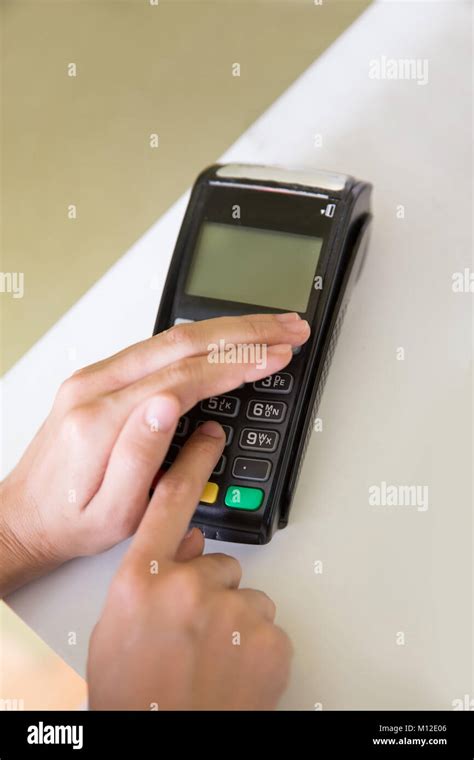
(329, 210)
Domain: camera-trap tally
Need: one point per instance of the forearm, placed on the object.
(23, 553)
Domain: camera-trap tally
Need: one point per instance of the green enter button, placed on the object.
(239, 497)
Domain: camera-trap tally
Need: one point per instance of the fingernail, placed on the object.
(280, 350)
(301, 326)
(162, 413)
(289, 316)
(189, 533)
(212, 428)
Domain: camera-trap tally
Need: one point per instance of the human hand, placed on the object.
(83, 483)
(176, 632)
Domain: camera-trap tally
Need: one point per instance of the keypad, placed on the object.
(256, 419)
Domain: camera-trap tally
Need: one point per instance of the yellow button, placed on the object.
(209, 495)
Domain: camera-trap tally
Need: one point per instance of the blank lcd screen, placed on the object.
(256, 266)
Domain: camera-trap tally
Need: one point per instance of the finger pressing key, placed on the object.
(177, 495)
(135, 458)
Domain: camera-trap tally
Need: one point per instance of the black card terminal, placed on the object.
(258, 239)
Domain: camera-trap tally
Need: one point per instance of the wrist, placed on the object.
(25, 554)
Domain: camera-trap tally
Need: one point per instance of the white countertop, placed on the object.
(386, 570)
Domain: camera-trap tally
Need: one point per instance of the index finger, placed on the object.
(176, 497)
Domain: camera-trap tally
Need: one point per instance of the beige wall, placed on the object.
(84, 140)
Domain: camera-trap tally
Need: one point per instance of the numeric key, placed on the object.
(224, 406)
(254, 439)
(266, 411)
(280, 382)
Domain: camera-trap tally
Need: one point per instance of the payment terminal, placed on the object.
(258, 239)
